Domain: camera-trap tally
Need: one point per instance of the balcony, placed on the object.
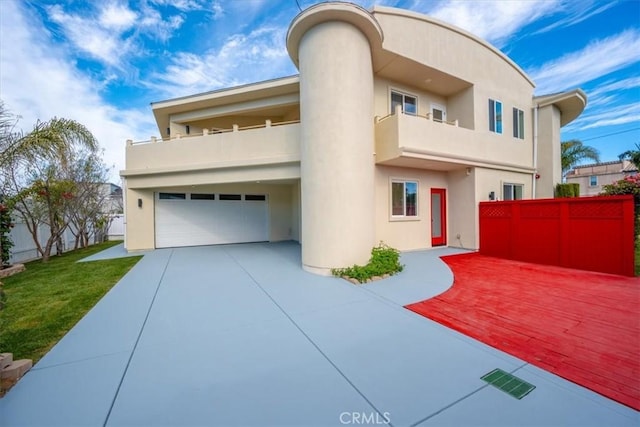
(422, 142)
(251, 149)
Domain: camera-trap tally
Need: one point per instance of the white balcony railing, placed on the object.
(427, 116)
(205, 132)
(267, 143)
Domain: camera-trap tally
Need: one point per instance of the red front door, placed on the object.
(438, 217)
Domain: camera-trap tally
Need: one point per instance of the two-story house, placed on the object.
(594, 176)
(395, 128)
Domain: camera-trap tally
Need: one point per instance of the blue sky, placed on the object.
(103, 62)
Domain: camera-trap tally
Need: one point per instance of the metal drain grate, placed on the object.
(508, 383)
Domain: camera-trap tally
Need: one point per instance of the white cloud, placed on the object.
(614, 86)
(597, 59)
(44, 84)
(117, 17)
(243, 58)
(154, 24)
(616, 115)
(110, 33)
(492, 20)
(217, 9)
(183, 5)
(98, 42)
(575, 12)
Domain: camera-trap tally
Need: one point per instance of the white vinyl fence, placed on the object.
(116, 229)
(24, 249)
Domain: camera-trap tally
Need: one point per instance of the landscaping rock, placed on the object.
(374, 278)
(16, 370)
(5, 360)
(354, 281)
(10, 271)
(386, 276)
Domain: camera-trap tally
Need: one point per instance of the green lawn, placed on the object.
(48, 299)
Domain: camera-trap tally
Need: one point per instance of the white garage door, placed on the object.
(191, 219)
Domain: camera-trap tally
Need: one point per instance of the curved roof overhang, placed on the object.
(571, 104)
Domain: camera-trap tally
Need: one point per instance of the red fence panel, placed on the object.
(589, 233)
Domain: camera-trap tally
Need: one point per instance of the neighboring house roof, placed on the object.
(625, 166)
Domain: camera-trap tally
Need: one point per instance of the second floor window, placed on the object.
(518, 123)
(408, 103)
(593, 181)
(495, 116)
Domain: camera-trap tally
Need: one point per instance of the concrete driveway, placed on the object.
(239, 335)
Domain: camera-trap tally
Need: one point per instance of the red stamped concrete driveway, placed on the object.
(583, 326)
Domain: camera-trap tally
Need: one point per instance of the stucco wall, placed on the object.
(139, 222)
(413, 232)
(549, 166)
(461, 55)
(246, 146)
(488, 180)
(337, 164)
(463, 208)
(382, 96)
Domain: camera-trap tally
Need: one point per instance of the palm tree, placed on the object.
(52, 139)
(632, 155)
(573, 152)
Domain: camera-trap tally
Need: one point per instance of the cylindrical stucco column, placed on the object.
(337, 146)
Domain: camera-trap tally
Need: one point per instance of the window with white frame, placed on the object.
(512, 191)
(408, 103)
(495, 116)
(438, 113)
(404, 198)
(518, 123)
(593, 181)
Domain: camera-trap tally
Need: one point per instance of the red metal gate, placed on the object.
(589, 233)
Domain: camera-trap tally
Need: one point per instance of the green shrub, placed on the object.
(567, 190)
(627, 185)
(384, 260)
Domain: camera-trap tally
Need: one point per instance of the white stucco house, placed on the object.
(396, 127)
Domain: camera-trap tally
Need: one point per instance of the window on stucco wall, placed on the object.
(404, 198)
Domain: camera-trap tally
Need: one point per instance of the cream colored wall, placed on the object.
(464, 192)
(449, 142)
(382, 97)
(337, 164)
(406, 234)
(246, 146)
(488, 180)
(461, 55)
(549, 166)
(140, 227)
(220, 174)
(295, 211)
(139, 222)
(462, 208)
(460, 107)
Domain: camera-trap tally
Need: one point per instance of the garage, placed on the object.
(193, 219)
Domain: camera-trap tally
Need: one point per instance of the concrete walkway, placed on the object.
(240, 335)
